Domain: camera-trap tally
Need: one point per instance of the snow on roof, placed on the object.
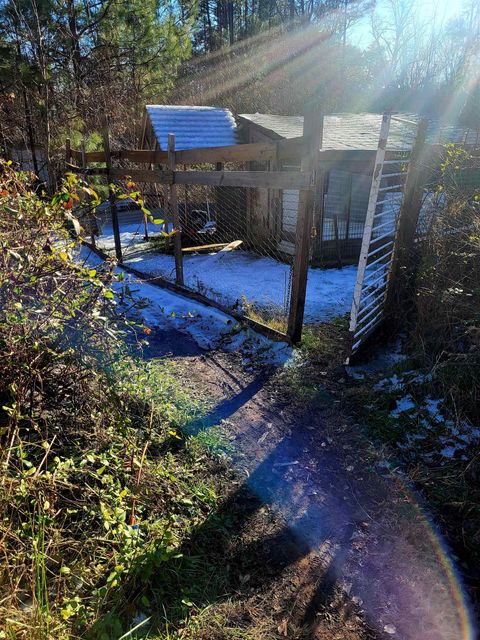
(359, 131)
(194, 127)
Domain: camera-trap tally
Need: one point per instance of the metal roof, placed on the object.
(194, 127)
(359, 131)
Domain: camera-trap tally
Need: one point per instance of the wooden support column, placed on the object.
(173, 201)
(413, 192)
(402, 268)
(312, 135)
(68, 151)
(111, 195)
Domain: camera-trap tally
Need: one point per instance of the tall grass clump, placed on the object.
(97, 488)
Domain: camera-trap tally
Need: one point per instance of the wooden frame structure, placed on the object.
(372, 289)
(306, 147)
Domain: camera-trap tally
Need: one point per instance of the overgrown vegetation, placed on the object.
(426, 408)
(446, 329)
(100, 487)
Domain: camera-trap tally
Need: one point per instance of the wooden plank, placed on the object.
(98, 156)
(274, 179)
(231, 246)
(142, 156)
(205, 247)
(173, 206)
(257, 179)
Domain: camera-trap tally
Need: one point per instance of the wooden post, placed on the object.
(418, 171)
(312, 136)
(82, 149)
(68, 150)
(111, 196)
(177, 247)
(413, 191)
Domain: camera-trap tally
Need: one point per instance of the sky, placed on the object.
(441, 10)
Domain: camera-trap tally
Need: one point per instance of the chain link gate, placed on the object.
(391, 171)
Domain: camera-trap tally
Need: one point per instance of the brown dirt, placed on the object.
(331, 544)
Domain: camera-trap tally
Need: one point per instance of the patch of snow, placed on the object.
(404, 404)
(400, 381)
(390, 384)
(231, 277)
(382, 360)
(209, 327)
(448, 452)
(432, 407)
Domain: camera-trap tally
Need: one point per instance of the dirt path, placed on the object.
(338, 545)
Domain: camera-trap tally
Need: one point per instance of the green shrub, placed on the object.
(97, 490)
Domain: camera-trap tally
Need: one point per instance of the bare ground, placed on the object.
(328, 543)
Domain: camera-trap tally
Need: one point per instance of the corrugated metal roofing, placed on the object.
(360, 131)
(194, 127)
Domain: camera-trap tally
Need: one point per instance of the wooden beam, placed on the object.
(256, 179)
(418, 172)
(261, 179)
(144, 175)
(111, 196)
(142, 156)
(205, 247)
(231, 246)
(98, 156)
(173, 206)
(68, 151)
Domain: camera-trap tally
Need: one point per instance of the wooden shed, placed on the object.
(348, 152)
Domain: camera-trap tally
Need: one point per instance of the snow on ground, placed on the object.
(209, 327)
(231, 277)
(427, 427)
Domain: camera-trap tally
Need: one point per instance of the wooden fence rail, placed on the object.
(255, 179)
(257, 151)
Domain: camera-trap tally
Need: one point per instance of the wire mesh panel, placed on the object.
(231, 244)
(232, 251)
(345, 205)
(378, 242)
